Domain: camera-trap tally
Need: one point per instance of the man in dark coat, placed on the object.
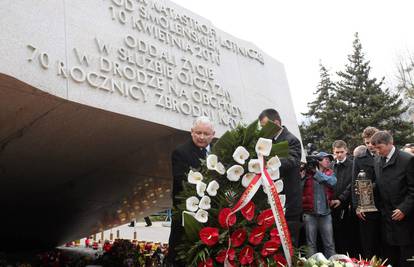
(343, 218)
(395, 181)
(185, 157)
(290, 173)
(369, 222)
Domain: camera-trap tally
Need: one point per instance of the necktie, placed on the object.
(203, 152)
(383, 161)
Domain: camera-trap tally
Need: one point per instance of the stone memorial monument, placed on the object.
(94, 95)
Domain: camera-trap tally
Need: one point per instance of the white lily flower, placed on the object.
(192, 203)
(279, 186)
(194, 177)
(205, 203)
(201, 187)
(201, 216)
(240, 155)
(247, 178)
(212, 188)
(274, 174)
(282, 200)
(274, 163)
(254, 166)
(263, 146)
(234, 173)
(212, 161)
(220, 168)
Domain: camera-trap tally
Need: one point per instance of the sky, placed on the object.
(303, 33)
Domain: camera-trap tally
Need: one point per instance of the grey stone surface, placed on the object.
(86, 132)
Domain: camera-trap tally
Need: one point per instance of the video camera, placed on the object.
(312, 162)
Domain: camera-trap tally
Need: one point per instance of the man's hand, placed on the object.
(397, 215)
(335, 203)
(361, 215)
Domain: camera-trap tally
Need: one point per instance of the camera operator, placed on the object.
(317, 193)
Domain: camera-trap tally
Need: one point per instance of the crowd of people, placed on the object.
(351, 219)
(322, 199)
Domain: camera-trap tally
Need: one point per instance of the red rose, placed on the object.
(266, 218)
(246, 255)
(221, 256)
(256, 235)
(269, 248)
(274, 236)
(237, 237)
(207, 263)
(209, 235)
(222, 218)
(280, 260)
(248, 211)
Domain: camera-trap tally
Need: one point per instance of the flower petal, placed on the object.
(274, 174)
(201, 216)
(194, 177)
(224, 219)
(201, 187)
(263, 146)
(205, 203)
(240, 155)
(209, 235)
(234, 173)
(220, 168)
(192, 203)
(254, 166)
(211, 161)
(212, 188)
(247, 178)
(279, 185)
(274, 163)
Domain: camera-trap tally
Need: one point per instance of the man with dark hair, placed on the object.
(289, 172)
(342, 217)
(369, 222)
(184, 157)
(395, 181)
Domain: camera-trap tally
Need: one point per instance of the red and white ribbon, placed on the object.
(277, 209)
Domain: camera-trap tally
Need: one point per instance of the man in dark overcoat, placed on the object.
(183, 158)
(369, 222)
(395, 181)
(289, 172)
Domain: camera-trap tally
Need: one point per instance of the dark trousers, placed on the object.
(148, 221)
(294, 224)
(346, 229)
(177, 231)
(370, 232)
(397, 255)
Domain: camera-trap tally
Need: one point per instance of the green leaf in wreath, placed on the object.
(269, 130)
(250, 133)
(225, 145)
(191, 227)
(280, 149)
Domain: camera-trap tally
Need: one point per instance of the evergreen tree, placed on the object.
(357, 101)
(315, 131)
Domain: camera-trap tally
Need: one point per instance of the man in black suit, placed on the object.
(369, 222)
(343, 218)
(395, 181)
(185, 157)
(289, 172)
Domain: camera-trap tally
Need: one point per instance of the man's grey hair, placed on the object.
(359, 150)
(382, 137)
(204, 120)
